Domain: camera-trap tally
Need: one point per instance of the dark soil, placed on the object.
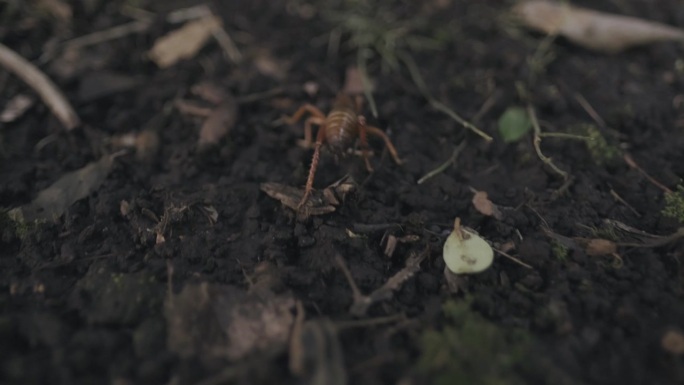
(82, 300)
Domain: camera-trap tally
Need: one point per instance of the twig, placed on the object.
(619, 199)
(514, 259)
(439, 106)
(37, 80)
(444, 165)
(590, 110)
(227, 45)
(108, 34)
(537, 143)
(631, 163)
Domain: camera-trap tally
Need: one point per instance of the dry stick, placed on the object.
(631, 163)
(108, 34)
(445, 165)
(619, 199)
(537, 144)
(37, 80)
(420, 83)
(512, 258)
(590, 110)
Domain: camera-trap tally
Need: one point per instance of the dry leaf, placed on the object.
(146, 143)
(483, 205)
(597, 247)
(319, 203)
(16, 107)
(673, 342)
(52, 202)
(183, 43)
(215, 321)
(218, 123)
(269, 66)
(594, 30)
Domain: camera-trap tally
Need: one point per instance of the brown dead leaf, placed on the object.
(483, 205)
(215, 321)
(597, 247)
(73, 186)
(183, 43)
(146, 143)
(590, 29)
(268, 65)
(319, 203)
(218, 123)
(673, 342)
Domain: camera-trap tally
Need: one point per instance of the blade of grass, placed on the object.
(422, 87)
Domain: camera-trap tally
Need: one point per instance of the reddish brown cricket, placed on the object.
(337, 130)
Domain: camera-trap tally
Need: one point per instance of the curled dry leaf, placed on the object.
(483, 205)
(597, 247)
(52, 202)
(319, 203)
(590, 29)
(218, 123)
(183, 43)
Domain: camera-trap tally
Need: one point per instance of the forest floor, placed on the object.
(176, 267)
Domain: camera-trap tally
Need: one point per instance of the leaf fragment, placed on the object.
(484, 206)
(598, 31)
(183, 43)
(52, 202)
(514, 124)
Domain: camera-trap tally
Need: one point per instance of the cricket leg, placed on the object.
(314, 164)
(378, 132)
(310, 108)
(308, 129)
(364, 142)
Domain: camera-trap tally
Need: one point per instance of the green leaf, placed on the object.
(514, 124)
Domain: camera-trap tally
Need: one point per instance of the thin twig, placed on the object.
(514, 259)
(106, 35)
(537, 143)
(444, 165)
(590, 110)
(562, 135)
(436, 104)
(37, 80)
(631, 163)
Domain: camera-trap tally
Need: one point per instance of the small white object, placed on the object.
(465, 252)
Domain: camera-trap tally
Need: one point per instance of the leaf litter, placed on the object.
(598, 31)
(211, 321)
(73, 186)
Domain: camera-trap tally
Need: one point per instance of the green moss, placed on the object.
(11, 229)
(601, 150)
(674, 204)
(471, 350)
(559, 250)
